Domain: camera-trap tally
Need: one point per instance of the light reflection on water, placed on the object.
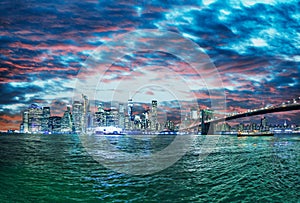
(58, 168)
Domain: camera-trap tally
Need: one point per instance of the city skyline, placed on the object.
(149, 101)
(79, 117)
(152, 116)
(136, 108)
(253, 46)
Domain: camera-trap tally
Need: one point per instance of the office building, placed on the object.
(154, 120)
(77, 112)
(130, 109)
(99, 117)
(45, 119)
(263, 123)
(35, 117)
(85, 113)
(55, 124)
(25, 128)
(66, 121)
(121, 119)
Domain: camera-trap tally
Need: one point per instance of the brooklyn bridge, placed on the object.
(207, 121)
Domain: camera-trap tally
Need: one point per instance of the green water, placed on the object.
(57, 168)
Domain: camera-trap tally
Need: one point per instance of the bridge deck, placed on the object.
(276, 109)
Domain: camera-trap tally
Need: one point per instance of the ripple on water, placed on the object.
(58, 168)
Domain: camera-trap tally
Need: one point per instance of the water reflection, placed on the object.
(127, 154)
(58, 168)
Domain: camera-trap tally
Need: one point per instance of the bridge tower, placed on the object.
(206, 115)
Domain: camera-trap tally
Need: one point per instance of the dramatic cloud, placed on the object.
(44, 46)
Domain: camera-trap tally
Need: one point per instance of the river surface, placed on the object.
(60, 168)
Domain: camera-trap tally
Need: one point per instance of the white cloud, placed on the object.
(208, 2)
(258, 42)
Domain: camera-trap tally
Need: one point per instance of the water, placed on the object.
(57, 168)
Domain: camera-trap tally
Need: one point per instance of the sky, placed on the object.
(244, 53)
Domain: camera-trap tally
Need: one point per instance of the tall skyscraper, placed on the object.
(127, 122)
(154, 120)
(121, 119)
(66, 121)
(130, 109)
(70, 117)
(99, 116)
(35, 116)
(25, 121)
(263, 123)
(85, 113)
(146, 120)
(77, 112)
(45, 119)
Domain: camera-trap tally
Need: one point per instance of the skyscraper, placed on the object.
(263, 123)
(121, 119)
(35, 115)
(130, 109)
(154, 121)
(45, 119)
(127, 122)
(55, 124)
(99, 116)
(146, 120)
(25, 121)
(85, 113)
(113, 116)
(77, 111)
(66, 121)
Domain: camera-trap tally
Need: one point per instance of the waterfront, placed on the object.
(57, 168)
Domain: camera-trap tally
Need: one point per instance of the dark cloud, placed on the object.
(44, 44)
(14, 95)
